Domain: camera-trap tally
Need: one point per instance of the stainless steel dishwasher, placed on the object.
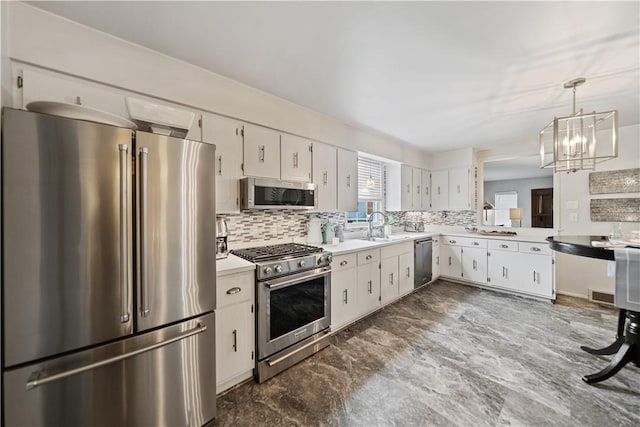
(423, 269)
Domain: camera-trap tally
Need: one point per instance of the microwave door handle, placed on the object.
(124, 236)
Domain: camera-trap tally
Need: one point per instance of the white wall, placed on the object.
(40, 38)
(576, 275)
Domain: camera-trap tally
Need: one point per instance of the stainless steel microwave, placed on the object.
(262, 193)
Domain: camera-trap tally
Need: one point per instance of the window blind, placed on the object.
(369, 179)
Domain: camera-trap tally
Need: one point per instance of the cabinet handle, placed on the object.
(408, 188)
(504, 246)
(261, 154)
(325, 177)
(235, 290)
(219, 165)
(503, 272)
(475, 243)
(438, 260)
(295, 160)
(370, 286)
(408, 271)
(475, 265)
(348, 180)
(535, 249)
(452, 241)
(534, 276)
(391, 279)
(458, 189)
(346, 296)
(449, 260)
(343, 263)
(438, 190)
(506, 271)
(235, 340)
(418, 190)
(368, 257)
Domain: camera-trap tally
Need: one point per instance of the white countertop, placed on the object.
(354, 245)
(233, 264)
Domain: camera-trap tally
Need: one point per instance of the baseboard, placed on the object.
(572, 294)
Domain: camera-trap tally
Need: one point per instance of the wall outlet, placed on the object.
(573, 217)
(572, 204)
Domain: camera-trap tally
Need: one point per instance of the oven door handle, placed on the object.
(290, 280)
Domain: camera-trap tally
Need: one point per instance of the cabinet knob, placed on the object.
(535, 249)
(235, 290)
(343, 263)
(475, 243)
(368, 257)
(504, 246)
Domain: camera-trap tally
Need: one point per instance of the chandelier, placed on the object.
(573, 138)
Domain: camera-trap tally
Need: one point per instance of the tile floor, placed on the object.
(451, 355)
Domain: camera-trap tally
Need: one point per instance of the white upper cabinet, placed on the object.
(459, 189)
(347, 180)
(295, 158)
(440, 190)
(416, 197)
(406, 193)
(425, 190)
(261, 152)
(225, 134)
(325, 169)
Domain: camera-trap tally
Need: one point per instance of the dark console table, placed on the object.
(626, 347)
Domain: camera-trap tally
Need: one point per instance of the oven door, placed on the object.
(292, 308)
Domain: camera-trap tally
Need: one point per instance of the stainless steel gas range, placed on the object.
(293, 299)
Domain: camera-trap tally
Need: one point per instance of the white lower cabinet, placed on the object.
(435, 258)
(344, 306)
(474, 264)
(368, 284)
(451, 261)
(536, 275)
(406, 263)
(235, 329)
(502, 268)
(389, 290)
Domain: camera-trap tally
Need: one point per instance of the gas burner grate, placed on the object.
(273, 252)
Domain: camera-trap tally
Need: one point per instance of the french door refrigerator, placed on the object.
(108, 276)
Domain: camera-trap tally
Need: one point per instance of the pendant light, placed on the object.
(574, 138)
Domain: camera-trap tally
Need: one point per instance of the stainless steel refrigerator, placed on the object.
(108, 277)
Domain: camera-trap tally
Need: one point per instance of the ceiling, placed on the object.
(438, 75)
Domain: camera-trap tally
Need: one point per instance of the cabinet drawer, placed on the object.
(397, 249)
(535, 248)
(503, 245)
(367, 257)
(342, 262)
(464, 241)
(234, 288)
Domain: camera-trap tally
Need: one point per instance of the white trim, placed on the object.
(572, 294)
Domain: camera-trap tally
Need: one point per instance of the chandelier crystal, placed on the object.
(573, 138)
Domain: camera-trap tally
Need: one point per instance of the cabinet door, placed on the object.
(368, 297)
(440, 190)
(416, 197)
(234, 341)
(389, 290)
(261, 152)
(502, 269)
(451, 261)
(405, 272)
(406, 187)
(347, 181)
(425, 190)
(474, 264)
(325, 168)
(343, 297)
(536, 274)
(295, 158)
(225, 134)
(436, 257)
(459, 189)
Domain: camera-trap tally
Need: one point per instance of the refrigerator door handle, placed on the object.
(39, 378)
(124, 233)
(144, 261)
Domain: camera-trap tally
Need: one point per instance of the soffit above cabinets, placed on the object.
(438, 75)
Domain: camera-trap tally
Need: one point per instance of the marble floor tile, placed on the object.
(451, 355)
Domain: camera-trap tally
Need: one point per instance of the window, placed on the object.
(504, 201)
(370, 192)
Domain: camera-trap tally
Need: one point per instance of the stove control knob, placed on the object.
(278, 268)
(329, 258)
(302, 263)
(267, 270)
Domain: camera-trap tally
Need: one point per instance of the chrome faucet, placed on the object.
(370, 236)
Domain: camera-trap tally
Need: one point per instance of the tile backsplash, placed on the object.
(265, 225)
